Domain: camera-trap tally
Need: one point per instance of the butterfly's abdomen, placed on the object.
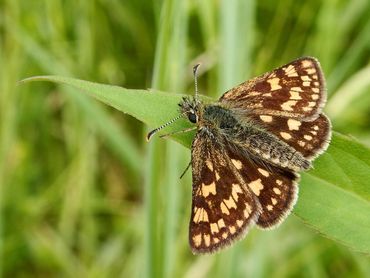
(269, 148)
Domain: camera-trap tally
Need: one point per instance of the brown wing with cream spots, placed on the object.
(295, 90)
(222, 208)
(310, 138)
(275, 188)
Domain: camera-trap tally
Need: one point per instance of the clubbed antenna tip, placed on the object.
(151, 133)
(195, 69)
(195, 72)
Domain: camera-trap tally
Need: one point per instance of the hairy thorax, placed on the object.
(246, 134)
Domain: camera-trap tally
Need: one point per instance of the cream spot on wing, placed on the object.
(279, 182)
(288, 105)
(263, 172)
(224, 235)
(205, 216)
(230, 203)
(306, 84)
(306, 63)
(294, 124)
(313, 132)
(316, 83)
(305, 78)
(274, 83)
(214, 228)
(196, 215)
(306, 108)
(216, 240)
(276, 190)
(292, 74)
(197, 239)
(315, 90)
(248, 208)
(275, 160)
(237, 163)
(297, 89)
(307, 137)
(315, 127)
(235, 190)
(207, 239)
(301, 143)
(266, 118)
(314, 76)
(269, 207)
(256, 186)
(311, 103)
(285, 135)
(221, 223)
(208, 189)
(315, 96)
(239, 223)
(209, 165)
(294, 95)
(246, 213)
(254, 93)
(267, 95)
(311, 70)
(232, 229)
(217, 176)
(224, 208)
(200, 215)
(273, 201)
(257, 105)
(290, 71)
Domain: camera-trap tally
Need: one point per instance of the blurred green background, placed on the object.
(81, 192)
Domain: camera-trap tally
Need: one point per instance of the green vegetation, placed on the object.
(83, 195)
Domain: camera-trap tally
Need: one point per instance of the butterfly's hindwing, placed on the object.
(275, 188)
(295, 90)
(222, 209)
(310, 138)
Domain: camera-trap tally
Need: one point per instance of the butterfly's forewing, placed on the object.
(296, 90)
(310, 138)
(287, 102)
(222, 207)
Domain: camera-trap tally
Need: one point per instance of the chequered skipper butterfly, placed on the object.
(249, 148)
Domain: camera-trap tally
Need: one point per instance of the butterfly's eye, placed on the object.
(192, 117)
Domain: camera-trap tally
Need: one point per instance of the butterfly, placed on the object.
(248, 151)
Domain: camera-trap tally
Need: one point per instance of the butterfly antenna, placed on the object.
(195, 72)
(150, 134)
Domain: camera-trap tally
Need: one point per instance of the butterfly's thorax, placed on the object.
(247, 134)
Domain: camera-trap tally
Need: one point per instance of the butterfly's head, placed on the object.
(189, 107)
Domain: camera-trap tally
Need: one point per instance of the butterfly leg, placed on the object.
(178, 132)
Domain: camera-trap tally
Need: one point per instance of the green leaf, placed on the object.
(334, 197)
(151, 107)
